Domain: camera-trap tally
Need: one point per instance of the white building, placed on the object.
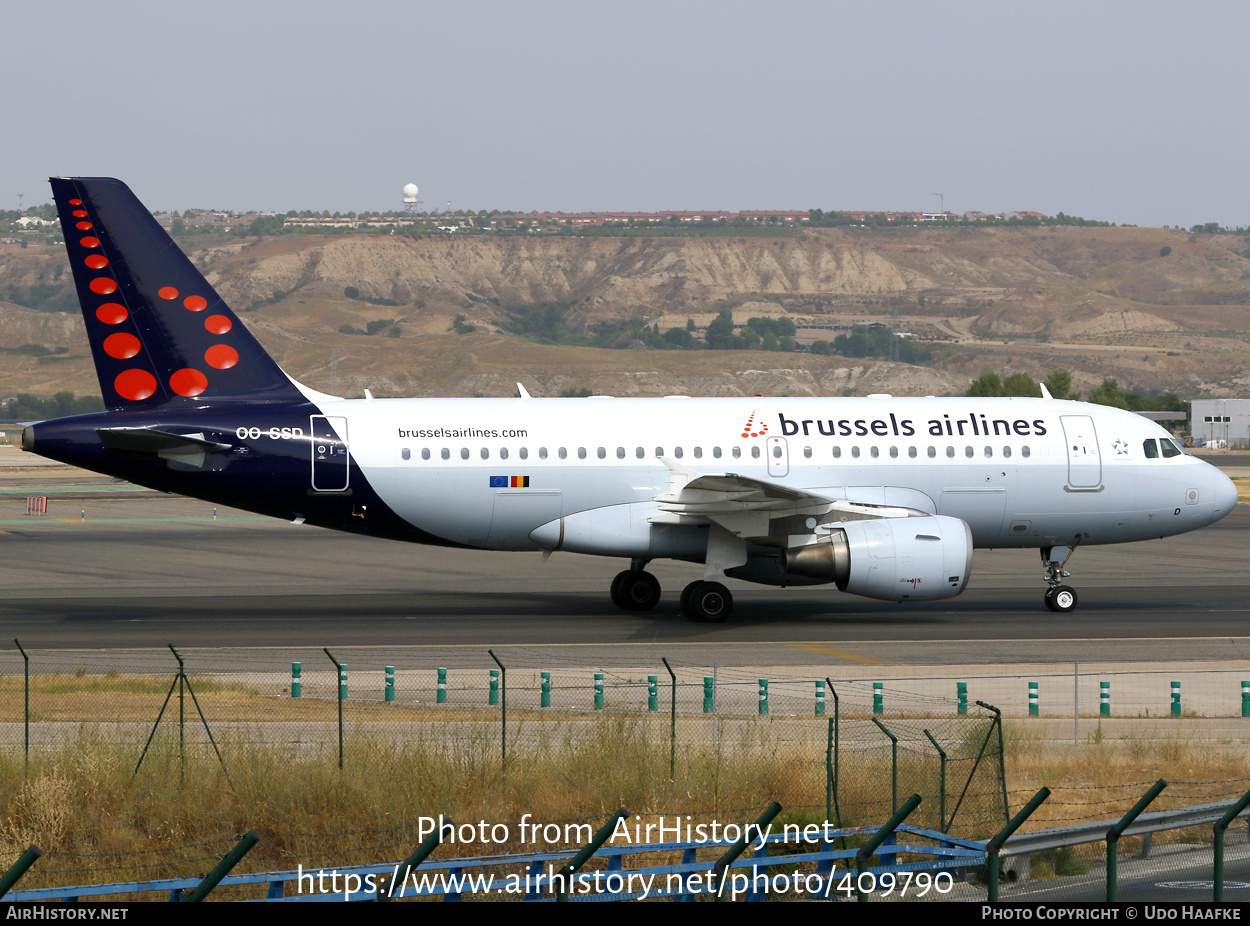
(1221, 420)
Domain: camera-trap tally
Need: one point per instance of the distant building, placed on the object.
(1220, 420)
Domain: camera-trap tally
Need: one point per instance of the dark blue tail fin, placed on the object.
(159, 334)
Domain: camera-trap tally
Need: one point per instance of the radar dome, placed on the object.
(410, 193)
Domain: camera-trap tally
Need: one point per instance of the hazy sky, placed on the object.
(1126, 111)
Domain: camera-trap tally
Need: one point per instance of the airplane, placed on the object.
(882, 497)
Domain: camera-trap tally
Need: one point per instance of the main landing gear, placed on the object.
(1059, 597)
(635, 589)
(706, 602)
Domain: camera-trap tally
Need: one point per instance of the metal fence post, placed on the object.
(19, 868)
(342, 670)
(893, 764)
(994, 845)
(432, 842)
(1114, 834)
(672, 722)
(244, 845)
(721, 869)
(26, 699)
(1220, 826)
(831, 761)
(866, 851)
(503, 710)
(605, 833)
(941, 783)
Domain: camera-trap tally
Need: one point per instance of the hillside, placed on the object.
(1155, 308)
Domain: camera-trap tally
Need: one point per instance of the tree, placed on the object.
(1059, 385)
(720, 333)
(986, 385)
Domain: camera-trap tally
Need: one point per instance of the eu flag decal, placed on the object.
(509, 482)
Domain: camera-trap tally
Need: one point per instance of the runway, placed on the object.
(112, 566)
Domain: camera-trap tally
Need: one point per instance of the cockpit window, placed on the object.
(1152, 449)
(1169, 448)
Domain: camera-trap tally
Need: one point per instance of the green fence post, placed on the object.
(441, 697)
(961, 689)
(941, 782)
(598, 691)
(544, 689)
(763, 708)
(19, 868)
(1033, 705)
(1220, 826)
(242, 847)
(343, 681)
(653, 692)
(1245, 698)
(866, 851)
(820, 697)
(994, 845)
(1114, 834)
(493, 698)
(1176, 699)
(565, 874)
(878, 698)
(831, 762)
(708, 688)
(893, 764)
(1104, 699)
(297, 684)
(721, 869)
(389, 691)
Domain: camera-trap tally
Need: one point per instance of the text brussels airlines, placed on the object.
(973, 425)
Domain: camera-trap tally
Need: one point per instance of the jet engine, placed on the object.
(894, 559)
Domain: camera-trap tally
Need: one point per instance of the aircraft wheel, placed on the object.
(1061, 599)
(635, 590)
(706, 602)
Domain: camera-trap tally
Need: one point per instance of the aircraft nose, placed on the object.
(1225, 493)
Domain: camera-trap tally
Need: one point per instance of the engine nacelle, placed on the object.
(894, 559)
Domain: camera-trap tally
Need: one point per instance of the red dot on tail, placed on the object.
(97, 261)
(218, 324)
(75, 202)
(89, 242)
(112, 313)
(80, 213)
(83, 226)
(135, 385)
(221, 356)
(167, 292)
(188, 382)
(121, 345)
(103, 285)
(195, 303)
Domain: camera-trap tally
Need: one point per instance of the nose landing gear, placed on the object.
(1059, 597)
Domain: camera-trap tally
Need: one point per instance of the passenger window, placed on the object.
(968, 451)
(698, 453)
(755, 452)
(777, 451)
(807, 452)
(620, 453)
(1024, 451)
(855, 452)
(445, 454)
(989, 452)
(464, 453)
(601, 453)
(425, 453)
(581, 453)
(837, 452)
(542, 453)
(503, 453)
(1169, 448)
(563, 454)
(716, 452)
(875, 451)
(677, 452)
(1006, 451)
(932, 452)
(639, 453)
(893, 451)
(737, 452)
(659, 451)
(911, 452)
(406, 453)
(1151, 448)
(485, 454)
(950, 451)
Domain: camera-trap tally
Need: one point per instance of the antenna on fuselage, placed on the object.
(1045, 392)
(522, 392)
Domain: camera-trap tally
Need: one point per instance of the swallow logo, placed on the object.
(751, 429)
